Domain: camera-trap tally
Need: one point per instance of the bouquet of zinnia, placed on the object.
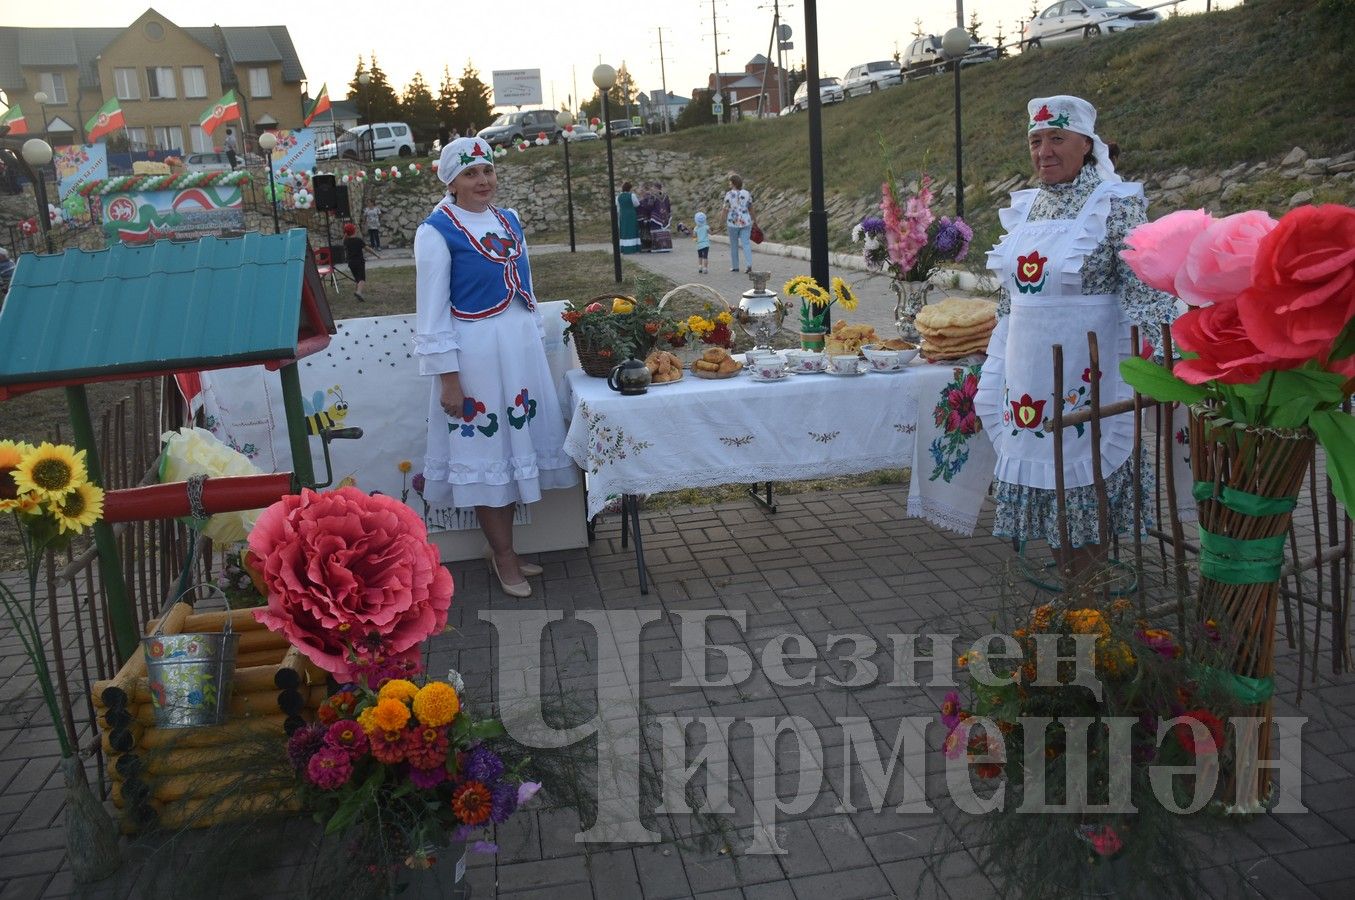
(815, 301)
(1269, 339)
(1075, 766)
(909, 241)
(408, 766)
(47, 490)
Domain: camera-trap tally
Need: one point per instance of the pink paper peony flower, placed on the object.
(1218, 264)
(345, 569)
(1157, 250)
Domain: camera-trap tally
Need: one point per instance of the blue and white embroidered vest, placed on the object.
(489, 271)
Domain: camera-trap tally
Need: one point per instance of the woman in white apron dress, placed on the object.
(1061, 276)
(495, 430)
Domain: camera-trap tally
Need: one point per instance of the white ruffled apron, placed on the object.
(1040, 265)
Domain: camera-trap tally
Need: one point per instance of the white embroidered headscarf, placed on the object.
(1076, 115)
(461, 154)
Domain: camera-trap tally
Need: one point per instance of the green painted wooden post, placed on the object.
(302, 466)
(120, 615)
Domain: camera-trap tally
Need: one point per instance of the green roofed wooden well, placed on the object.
(158, 309)
(167, 308)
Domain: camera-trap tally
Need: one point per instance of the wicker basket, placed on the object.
(591, 359)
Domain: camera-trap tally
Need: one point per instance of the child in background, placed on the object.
(702, 235)
(357, 262)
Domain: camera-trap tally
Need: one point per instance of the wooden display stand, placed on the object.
(197, 777)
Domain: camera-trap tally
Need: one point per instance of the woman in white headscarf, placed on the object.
(1061, 276)
(495, 431)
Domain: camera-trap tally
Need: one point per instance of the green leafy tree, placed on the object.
(696, 113)
(420, 109)
(446, 101)
(473, 108)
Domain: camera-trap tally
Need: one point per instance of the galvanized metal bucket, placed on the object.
(191, 676)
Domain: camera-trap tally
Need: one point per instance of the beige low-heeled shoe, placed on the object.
(520, 590)
(529, 570)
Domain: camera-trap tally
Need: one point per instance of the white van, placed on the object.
(381, 140)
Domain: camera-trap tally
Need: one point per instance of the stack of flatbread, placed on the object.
(956, 327)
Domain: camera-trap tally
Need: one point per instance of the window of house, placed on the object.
(126, 84)
(194, 81)
(160, 81)
(168, 137)
(136, 138)
(202, 142)
(54, 86)
(258, 83)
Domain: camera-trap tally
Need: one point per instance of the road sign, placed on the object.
(717, 109)
(717, 97)
(784, 32)
(787, 45)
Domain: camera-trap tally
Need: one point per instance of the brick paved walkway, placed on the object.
(826, 563)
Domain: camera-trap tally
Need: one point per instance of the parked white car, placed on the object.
(381, 140)
(924, 56)
(1075, 20)
(868, 78)
(207, 162)
(830, 91)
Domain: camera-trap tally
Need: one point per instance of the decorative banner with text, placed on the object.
(77, 164)
(295, 151)
(143, 216)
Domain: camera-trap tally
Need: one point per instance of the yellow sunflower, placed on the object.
(842, 293)
(11, 453)
(51, 471)
(79, 509)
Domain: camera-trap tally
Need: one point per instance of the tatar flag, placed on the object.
(107, 120)
(14, 118)
(318, 105)
(223, 110)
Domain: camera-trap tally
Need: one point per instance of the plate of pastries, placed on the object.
(955, 328)
(845, 339)
(716, 363)
(664, 367)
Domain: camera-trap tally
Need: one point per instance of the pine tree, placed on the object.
(419, 109)
(385, 103)
(974, 25)
(473, 109)
(917, 29)
(358, 92)
(446, 101)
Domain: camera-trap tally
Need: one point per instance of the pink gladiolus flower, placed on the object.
(344, 569)
(1157, 250)
(1218, 264)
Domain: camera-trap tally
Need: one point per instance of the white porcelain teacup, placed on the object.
(769, 367)
(844, 364)
(805, 360)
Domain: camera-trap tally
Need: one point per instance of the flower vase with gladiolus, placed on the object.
(1267, 366)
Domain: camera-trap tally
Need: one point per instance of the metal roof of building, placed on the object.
(130, 311)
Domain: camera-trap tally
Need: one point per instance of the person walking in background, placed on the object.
(739, 221)
(627, 219)
(357, 261)
(660, 220)
(702, 235)
(231, 147)
(371, 217)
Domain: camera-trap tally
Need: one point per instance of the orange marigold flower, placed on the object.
(472, 803)
(401, 689)
(1086, 621)
(405, 466)
(436, 703)
(367, 719)
(390, 714)
(1041, 617)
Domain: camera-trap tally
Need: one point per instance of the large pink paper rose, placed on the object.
(1157, 250)
(1225, 351)
(348, 572)
(1303, 283)
(1218, 264)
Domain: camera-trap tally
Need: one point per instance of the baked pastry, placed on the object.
(845, 339)
(663, 367)
(956, 313)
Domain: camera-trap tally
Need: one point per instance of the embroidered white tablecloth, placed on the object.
(698, 433)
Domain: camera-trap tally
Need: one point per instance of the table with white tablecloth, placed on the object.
(703, 432)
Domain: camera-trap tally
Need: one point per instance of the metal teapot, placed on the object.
(631, 377)
(761, 312)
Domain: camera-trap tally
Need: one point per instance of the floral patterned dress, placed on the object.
(1026, 513)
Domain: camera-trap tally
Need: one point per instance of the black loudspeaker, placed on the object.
(341, 202)
(326, 195)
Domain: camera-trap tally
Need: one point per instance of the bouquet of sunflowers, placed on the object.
(815, 300)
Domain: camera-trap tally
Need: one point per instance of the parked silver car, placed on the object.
(1075, 20)
(868, 78)
(830, 91)
(925, 57)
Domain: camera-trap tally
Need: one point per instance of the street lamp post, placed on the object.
(365, 79)
(955, 44)
(566, 121)
(41, 99)
(604, 76)
(38, 153)
(267, 141)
